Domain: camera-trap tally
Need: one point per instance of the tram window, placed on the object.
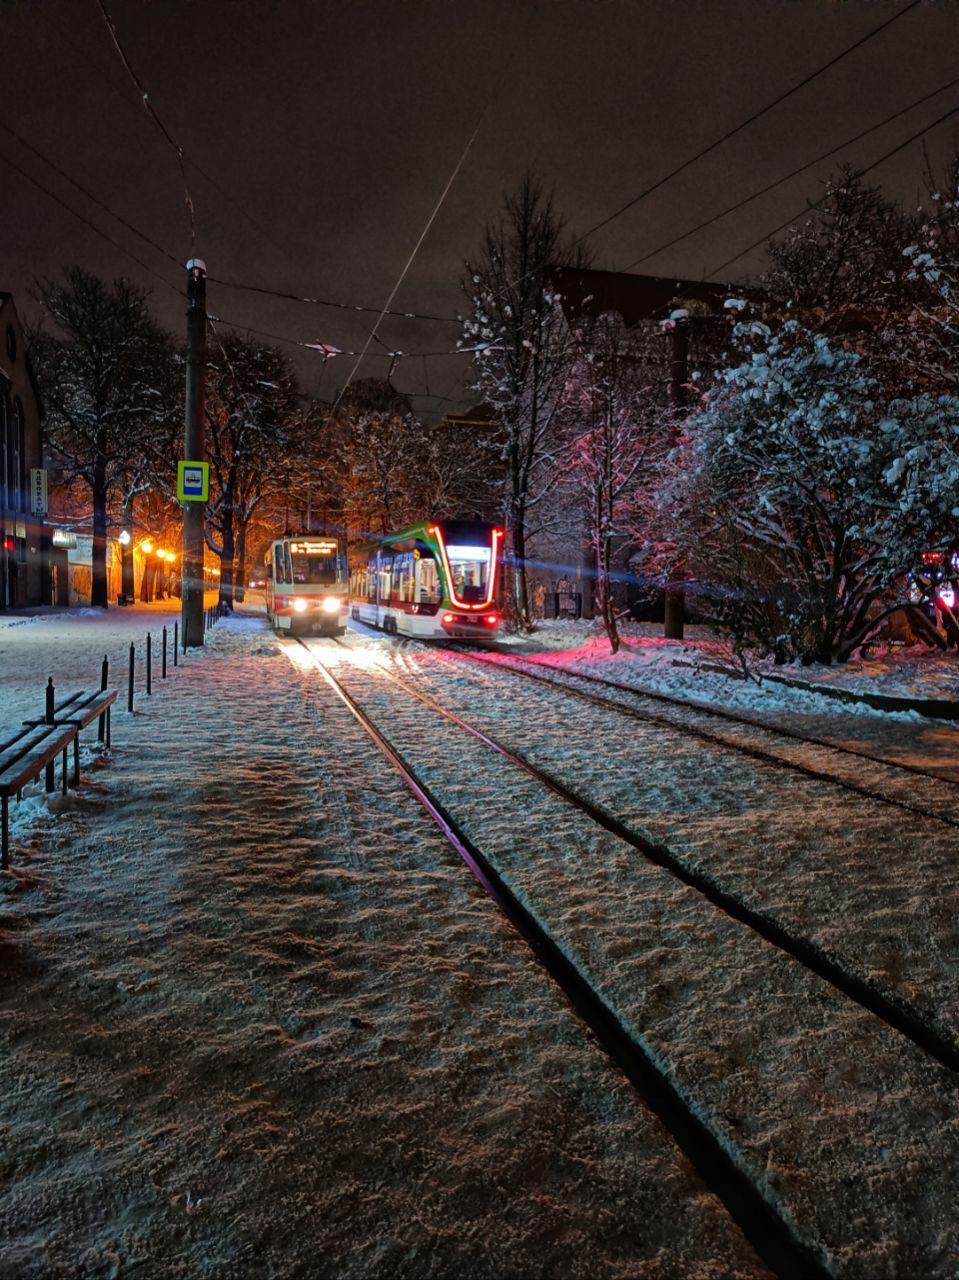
(471, 570)
(404, 576)
(278, 559)
(429, 582)
(314, 568)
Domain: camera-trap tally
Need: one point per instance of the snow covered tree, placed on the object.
(621, 426)
(110, 381)
(251, 408)
(813, 498)
(847, 252)
(525, 352)
(932, 259)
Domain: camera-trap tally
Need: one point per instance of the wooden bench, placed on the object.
(22, 758)
(81, 709)
(39, 742)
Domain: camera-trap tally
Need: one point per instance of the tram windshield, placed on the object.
(316, 562)
(470, 567)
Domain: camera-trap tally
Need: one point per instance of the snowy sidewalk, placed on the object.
(259, 1021)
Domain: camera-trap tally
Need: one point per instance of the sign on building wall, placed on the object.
(38, 491)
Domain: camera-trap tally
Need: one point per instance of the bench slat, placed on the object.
(20, 771)
(26, 741)
(70, 711)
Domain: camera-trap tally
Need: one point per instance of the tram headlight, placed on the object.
(299, 605)
(331, 604)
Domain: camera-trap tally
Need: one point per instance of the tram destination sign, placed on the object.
(313, 546)
(193, 481)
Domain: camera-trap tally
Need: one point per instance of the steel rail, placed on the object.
(754, 752)
(706, 709)
(897, 1014)
(761, 1220)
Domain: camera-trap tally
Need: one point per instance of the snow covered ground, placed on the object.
(258, 1020)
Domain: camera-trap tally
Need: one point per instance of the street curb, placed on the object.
(932, 708)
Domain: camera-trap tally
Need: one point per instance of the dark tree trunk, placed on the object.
(520, 593)
(239, 586)
(227, 558)
(606, 599)
(98, 589)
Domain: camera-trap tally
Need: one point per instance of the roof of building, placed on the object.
(586, 292)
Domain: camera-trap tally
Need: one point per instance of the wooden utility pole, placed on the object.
(194, 513)
(675, 605)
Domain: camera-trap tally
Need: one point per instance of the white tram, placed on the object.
(307, 585)
(438, 580)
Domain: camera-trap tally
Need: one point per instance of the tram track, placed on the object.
(890, 1018)
(565, 682)
(896, 1013)
(768, 1229)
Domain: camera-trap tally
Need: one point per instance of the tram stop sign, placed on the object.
(193, 481)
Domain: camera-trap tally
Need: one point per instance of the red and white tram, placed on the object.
(307, 584)
(437, 580)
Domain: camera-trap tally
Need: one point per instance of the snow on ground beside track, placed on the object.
(789, 1072)
(914, 672)
(257, 1020)
(686, 669)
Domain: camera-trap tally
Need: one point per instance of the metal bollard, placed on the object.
(104, 675)
(133, 654)
(176, 641)
(48, 717)
(149, 665)
(163, 660)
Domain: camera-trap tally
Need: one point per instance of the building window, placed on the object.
(11, 342)
(18, 473)
(6, 450)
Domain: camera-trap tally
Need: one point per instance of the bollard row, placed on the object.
(211, 615)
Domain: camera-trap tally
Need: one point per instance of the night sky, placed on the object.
(319, 137)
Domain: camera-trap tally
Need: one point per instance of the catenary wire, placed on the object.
(148, 106)
(326, 302)
(90, 195)
(763, 239)
(231, 284)
(730, 133)
(87, 223)
(787, 177)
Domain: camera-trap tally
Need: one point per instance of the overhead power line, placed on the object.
(165, 253)
(793, 174)
(148, 106)
(87, 223)
(329, 351)
(730, 133)
(326, 302)
(813, 204)
(89, 195)
(409, 261)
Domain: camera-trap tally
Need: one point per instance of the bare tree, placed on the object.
(251, 408)
(622, 425)
(110, 382)
(525, 351)
(383, 444)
